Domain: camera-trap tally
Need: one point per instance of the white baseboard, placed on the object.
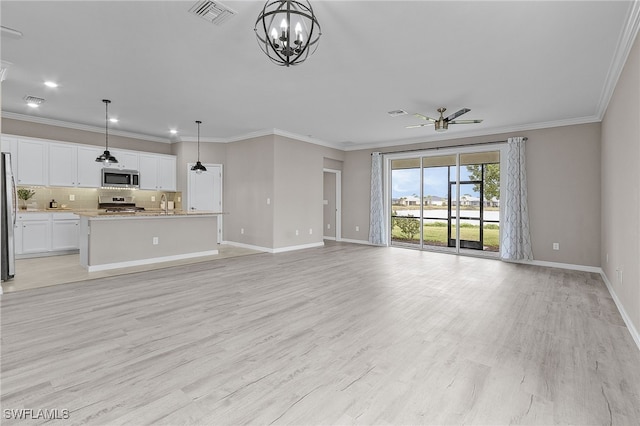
(274, 250)
(329, 238)
(127, 264)
(570, 266)
(300, 247)
(625, 317)
(247, 246)
(365, 242)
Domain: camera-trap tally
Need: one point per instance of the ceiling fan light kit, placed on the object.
(274, 31)
(441, 124)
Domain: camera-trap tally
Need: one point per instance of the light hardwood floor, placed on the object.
(344, 334)
(53, 270)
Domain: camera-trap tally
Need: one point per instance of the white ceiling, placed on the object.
(518, 65)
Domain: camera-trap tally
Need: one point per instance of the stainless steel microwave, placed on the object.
(120, 178)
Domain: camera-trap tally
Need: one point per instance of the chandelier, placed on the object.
(287, 31)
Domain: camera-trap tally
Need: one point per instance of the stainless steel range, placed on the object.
(117, 204)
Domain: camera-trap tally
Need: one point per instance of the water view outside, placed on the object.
(428, 217)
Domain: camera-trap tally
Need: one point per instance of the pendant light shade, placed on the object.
(106, 158)
(198, 167)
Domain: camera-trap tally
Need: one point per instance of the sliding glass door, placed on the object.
(446, 202)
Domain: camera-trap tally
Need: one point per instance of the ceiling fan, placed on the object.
(442, 123)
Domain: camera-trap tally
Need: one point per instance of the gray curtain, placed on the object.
(377, 228)
(516, 241)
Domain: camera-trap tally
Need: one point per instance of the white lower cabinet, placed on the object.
(45, 233)
(64, 234)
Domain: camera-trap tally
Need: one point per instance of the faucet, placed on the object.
(166, 203)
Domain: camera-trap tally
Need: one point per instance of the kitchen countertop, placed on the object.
(101, 212)
(144, 214)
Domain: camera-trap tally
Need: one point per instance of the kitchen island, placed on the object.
(118, 240)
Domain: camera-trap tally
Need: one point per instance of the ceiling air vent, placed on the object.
(33, 100)
(397, 112)
(214, 12)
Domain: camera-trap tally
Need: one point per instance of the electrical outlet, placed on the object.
(357, 228)
(328, 226)
(241, 230)
(72, 197)
(310, 231)
(153, 198)
(268, 201)
(155, 241)
(179, 199)
(297, 232)
(556, 246)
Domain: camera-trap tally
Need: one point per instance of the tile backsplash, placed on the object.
(87, 198)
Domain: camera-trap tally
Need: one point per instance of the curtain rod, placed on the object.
(445, 147)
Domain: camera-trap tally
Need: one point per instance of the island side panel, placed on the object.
(125, 240)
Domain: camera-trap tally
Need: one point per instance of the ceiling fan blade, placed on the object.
(457, 114)
(465, 121)
(424, 117)
(418, 125)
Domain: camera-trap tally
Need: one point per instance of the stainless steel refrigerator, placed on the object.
(9, 210)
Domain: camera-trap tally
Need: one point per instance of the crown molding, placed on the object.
(265, 132)
(625, 43)
(437, 137)
(78, 126)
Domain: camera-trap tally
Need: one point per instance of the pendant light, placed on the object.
(106, 158)
(198, 167)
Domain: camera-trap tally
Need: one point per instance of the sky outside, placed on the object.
(406, 182)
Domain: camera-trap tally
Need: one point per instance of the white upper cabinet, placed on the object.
(63, 165)
(157, 172)
(33, 162)
(126, 159)
(40, 162)
(167, 173)
(89, 171)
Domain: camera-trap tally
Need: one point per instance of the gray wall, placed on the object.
(63, 134)
(248, 183)
(298, 193)
(563, 171)
(621, 188)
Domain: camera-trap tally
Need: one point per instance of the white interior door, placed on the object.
(205, 191)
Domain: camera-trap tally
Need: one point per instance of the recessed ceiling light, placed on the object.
(113, 120)
(51, 84)
(173, 131)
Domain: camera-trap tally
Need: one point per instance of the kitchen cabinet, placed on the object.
(32, 162)
(127, 160)
(89, 170)
(157, 172)
(10, 145)
(64, 231)
(42, 233)
(63, 165)
(35, 233)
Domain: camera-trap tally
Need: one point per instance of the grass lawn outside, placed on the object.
(436, 234)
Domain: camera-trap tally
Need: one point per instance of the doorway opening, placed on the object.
(332, 204)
